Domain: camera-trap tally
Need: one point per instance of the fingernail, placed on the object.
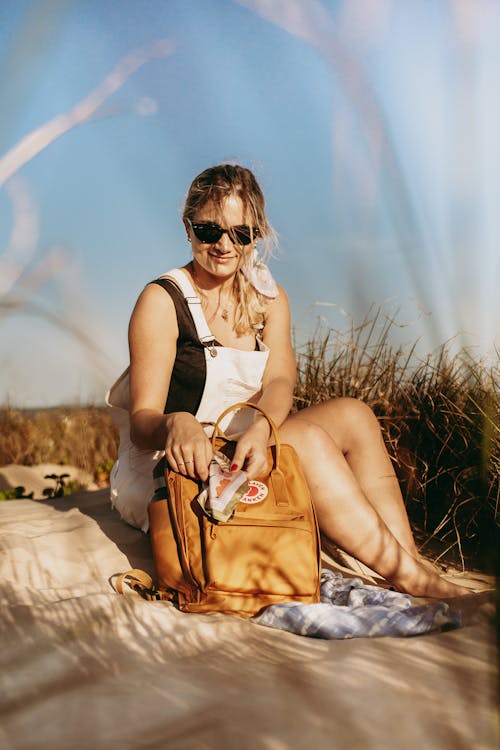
(234, 467)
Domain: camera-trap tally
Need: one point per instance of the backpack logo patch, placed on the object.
(256, 493)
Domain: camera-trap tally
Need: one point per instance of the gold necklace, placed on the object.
(224, 313)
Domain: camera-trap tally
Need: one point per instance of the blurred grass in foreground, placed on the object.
(440, 417)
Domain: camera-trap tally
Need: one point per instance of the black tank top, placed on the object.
(189, 373)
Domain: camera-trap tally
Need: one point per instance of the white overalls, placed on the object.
(232, 375)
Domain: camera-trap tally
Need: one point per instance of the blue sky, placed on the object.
(371, 125)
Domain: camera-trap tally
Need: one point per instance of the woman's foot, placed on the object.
(423, 581)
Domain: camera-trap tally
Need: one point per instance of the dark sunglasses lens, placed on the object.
(241, 235)
(244, 234)
(208, 233)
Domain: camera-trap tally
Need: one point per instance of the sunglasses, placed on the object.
(209, 232)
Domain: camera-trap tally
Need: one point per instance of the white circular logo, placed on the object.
(256, 493)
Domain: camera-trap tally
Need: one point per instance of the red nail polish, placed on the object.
(234, 467)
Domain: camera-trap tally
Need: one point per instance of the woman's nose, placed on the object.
(224, 244)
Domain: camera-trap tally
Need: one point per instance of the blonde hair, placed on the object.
(214, 185)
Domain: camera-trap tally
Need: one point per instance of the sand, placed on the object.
(82, 667)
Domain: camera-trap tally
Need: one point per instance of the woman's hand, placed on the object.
(251, 450)
(187, 448)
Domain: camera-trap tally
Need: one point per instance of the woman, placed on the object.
(179, 382)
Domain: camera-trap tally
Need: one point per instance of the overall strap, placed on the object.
(194, 304)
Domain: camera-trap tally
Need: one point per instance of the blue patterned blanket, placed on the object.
(350, 608)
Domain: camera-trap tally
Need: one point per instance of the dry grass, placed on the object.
(440, 417)
(79, 436)
(441, 422)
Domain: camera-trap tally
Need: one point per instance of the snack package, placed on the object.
(225, 489)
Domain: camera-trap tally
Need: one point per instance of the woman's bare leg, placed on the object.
(356, 432)
(350, 520)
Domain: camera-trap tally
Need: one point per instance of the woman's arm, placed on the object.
(277, 389)
(153, 334)
(280, 374)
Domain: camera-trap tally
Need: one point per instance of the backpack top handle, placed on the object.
(250, 405)
(276, 476)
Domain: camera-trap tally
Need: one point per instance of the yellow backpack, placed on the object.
(268, 551)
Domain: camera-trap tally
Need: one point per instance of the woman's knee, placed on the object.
(349, 421)
(354, 412)
(307, 437)
(358, 426)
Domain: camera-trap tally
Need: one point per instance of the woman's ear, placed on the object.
(187, 228)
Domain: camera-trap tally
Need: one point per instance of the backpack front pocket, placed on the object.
(268, 554)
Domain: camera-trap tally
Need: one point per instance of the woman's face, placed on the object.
(221, 258)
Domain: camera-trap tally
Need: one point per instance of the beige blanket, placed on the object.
(82, 667)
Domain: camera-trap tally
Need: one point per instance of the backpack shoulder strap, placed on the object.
(142, 583)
